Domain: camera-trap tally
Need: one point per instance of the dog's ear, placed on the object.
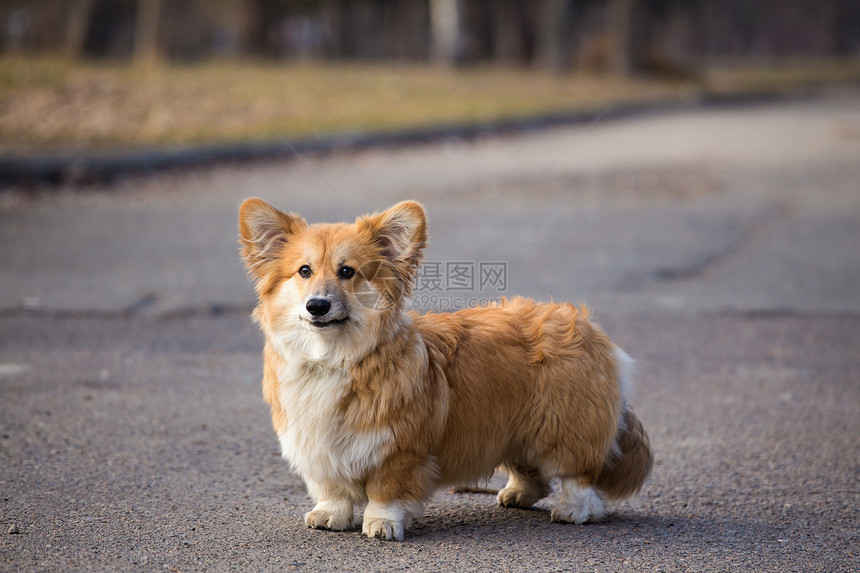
(263, 232)
(400, 233)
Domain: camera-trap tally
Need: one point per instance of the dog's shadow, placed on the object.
(623, 524)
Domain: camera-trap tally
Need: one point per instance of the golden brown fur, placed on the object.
(374, 404)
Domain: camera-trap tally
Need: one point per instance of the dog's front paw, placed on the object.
(389, 520)
(581, 507)
(387, 529)
(323, 519)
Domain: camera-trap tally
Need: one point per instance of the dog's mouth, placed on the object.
(319, 323)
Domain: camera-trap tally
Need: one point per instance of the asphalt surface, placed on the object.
(718, 247)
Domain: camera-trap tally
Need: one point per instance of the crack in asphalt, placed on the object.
(707, 262)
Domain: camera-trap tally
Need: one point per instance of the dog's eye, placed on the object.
(304, 271)
(346, 272)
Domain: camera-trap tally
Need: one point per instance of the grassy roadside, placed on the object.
(50, 104)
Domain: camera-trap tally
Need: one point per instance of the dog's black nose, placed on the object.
(318, 306)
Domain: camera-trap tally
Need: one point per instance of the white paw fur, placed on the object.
(577, 504)
(334, 515)
(388, 521)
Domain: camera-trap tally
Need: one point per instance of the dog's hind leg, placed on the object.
(524, 488)
(578, 503)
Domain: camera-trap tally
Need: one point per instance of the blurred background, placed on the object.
(624, 35)
(105, 73)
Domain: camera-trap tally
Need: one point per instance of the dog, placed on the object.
(377, 405)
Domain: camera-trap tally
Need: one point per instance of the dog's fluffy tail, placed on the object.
(629, 463)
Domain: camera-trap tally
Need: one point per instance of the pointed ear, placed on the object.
(400, 232)
(263, 232)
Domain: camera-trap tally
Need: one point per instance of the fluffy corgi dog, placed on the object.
(379, 406)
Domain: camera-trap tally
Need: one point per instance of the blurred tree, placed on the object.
(77, 27)
(847, 27)
(146, 48)
(515, 32)
(621, 19)
(555, 45)
(447, 31)
(110, 29)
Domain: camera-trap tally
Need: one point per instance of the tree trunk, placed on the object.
(623, 57)
(446, 25)
(510, 46)
(554, 46)
(77, 25)
(146, 31)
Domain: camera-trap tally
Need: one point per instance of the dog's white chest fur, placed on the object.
(316, 441)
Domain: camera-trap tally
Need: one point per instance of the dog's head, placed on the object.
(329, 290)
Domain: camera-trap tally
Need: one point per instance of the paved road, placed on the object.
(718, 247)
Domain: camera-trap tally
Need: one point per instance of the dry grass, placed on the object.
(757, 78)
(49, 104)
